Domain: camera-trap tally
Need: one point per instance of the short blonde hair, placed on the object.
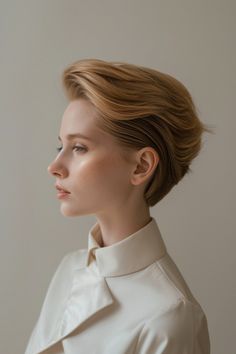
(141, 107)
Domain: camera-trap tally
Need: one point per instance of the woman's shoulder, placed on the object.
(54, 303)
(181, 329)
(178, 321)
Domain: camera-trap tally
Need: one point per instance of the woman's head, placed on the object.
(145, 112)
(102, 179)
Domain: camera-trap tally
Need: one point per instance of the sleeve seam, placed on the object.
(182, 296)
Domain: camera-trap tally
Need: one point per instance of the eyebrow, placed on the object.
(77, 135)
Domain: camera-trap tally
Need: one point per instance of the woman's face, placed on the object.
(92, 170)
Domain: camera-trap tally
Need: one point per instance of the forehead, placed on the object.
(80, 117)
(79, 113)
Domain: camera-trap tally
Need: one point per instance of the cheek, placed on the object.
(102, 174)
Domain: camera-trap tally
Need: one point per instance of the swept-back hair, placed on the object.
(141, 107)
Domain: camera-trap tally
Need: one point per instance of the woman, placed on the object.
(128, 135)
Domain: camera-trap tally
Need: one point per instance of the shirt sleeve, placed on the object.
(182, 329)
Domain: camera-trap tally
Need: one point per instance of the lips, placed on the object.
(61, 189)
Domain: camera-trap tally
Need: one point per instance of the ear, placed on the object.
(146, 162)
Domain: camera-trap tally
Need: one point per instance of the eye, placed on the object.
(77, 148)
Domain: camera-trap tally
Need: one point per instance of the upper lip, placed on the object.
(60, 188)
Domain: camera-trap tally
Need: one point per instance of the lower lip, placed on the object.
(62, 195)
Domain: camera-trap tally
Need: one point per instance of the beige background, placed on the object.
(192, 40)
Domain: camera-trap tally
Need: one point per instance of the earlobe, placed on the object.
(147, 161)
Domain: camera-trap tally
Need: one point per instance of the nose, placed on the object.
(56, 169)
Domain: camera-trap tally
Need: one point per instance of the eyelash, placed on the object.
(79, 148)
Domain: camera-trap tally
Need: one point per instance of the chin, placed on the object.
(69, 212)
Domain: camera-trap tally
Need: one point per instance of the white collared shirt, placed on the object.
(126, 298)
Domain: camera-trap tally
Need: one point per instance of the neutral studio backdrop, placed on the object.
(192, 40)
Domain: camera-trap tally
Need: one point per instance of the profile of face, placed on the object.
(92, 169)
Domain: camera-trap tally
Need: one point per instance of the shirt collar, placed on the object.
(129, 255)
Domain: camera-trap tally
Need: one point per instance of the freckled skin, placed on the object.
(100, 180)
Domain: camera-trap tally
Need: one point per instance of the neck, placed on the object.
(119, 227)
